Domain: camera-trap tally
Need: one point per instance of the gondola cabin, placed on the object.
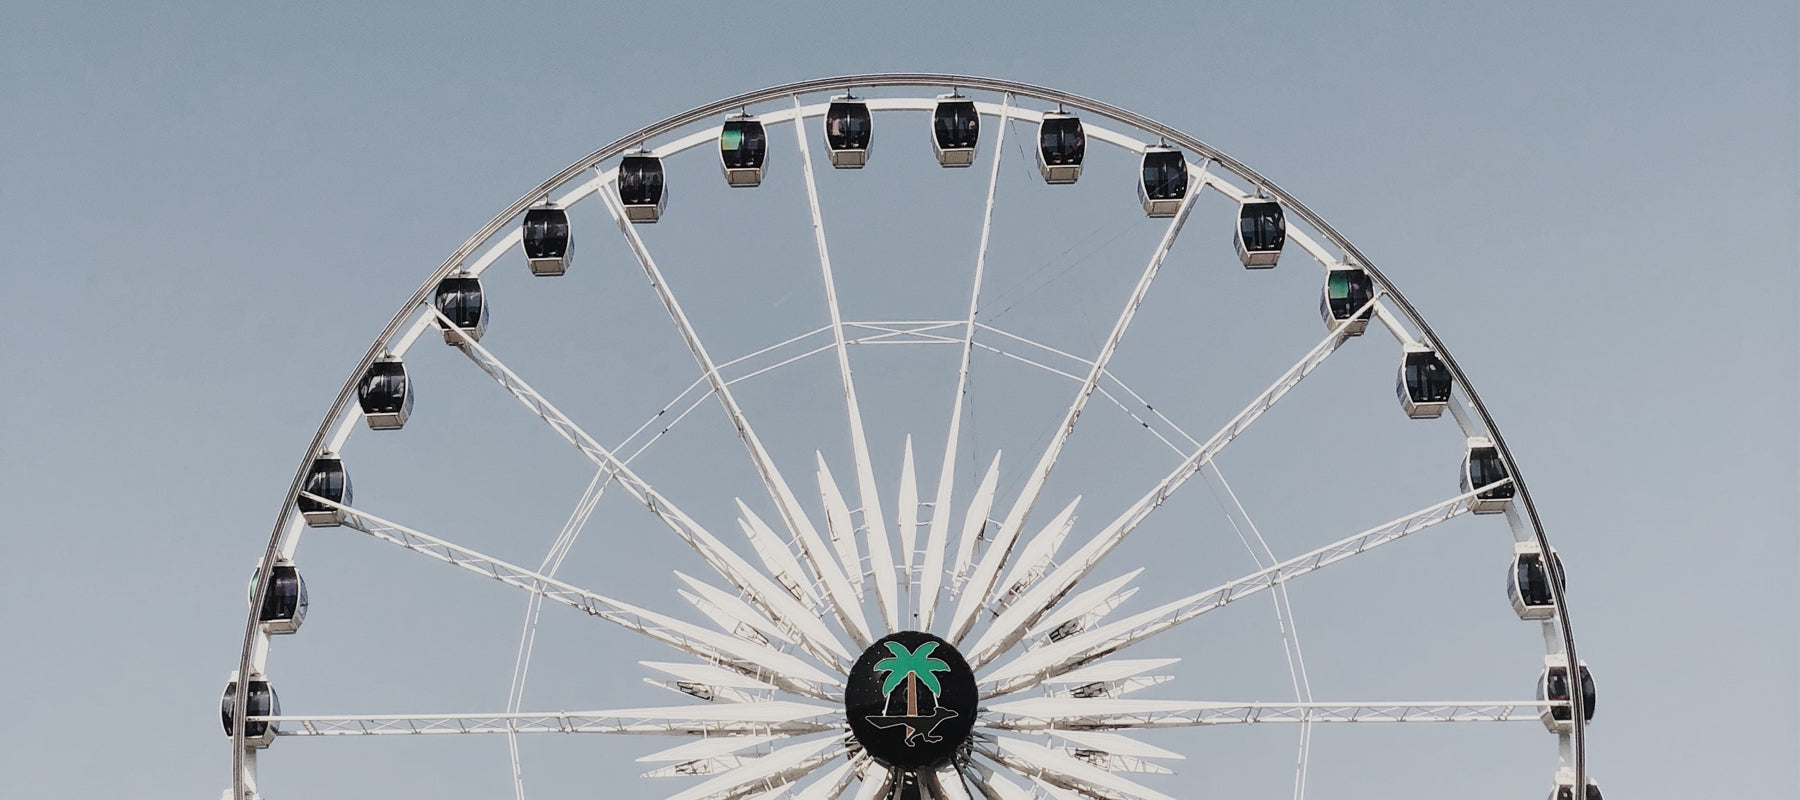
(1565, 788)
(1162, 181)
(1261, 232)
(261, 702)
(544, 235)
(849, 131)
(955, 129)
(1553, 685)
(1482, 466)
(1343, 301)
(326, 479)
(743, 149)
(1528, 582)
(284, 604)
(385, 394)
(1062, 145)
(460, 300)
(1423, 384)
(641, 190)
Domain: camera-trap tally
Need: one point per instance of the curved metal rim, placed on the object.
(847, 83)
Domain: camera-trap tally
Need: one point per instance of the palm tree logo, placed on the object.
(911, 668)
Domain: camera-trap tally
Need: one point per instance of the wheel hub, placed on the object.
(911, 700)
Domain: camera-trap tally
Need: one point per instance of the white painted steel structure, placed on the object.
(1004, 588)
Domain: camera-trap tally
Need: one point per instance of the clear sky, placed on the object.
(211, 209)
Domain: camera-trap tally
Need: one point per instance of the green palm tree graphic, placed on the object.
(912, 668)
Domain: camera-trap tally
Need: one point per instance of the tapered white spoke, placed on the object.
(1016, 619)
(938, 537)
(975, 594)
(762, 592)
(841, 527)
(770, 718)
(779, 668)
(777, 557)
(1083, 610)
(779, 768)
(946, 783)
(995, 785)
(906, 519)
(875, 781)
(975, 524)
(1034, 666)
(832, 784)
(1054, 713)
(733, 615)
(1113, 677)
(711, 683)
(1061, 769)
(875, 526)
(711, 747)
(837, 588)
(1035, 557)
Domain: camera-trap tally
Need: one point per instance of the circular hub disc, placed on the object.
(911, 700)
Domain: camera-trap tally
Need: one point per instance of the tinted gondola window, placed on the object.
(640, 180)
(1062, 140)
(546, 233)
(848, 126)
(383, 389)
(1486, 467)
(1165, 175)
(1261, 226)
(262, 702)
(742, 144)
(1347, 290)
(460, 300)
(328, 480)
(956, 123)
(1427, 379)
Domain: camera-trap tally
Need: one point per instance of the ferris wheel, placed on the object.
(931, 418)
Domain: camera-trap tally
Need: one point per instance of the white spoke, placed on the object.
(707, 748)
(783, 670)
(907, 518)
(836, 587)
(875, 781)
(776, 556)
(1015, 620)
(764, 593)
(876, 527)
(976, 593)
(1033, 666)
(1082, 611)
(830, 785)
(937, 539)
(782, 767)
(947, 784)
(710, 683)
(733, 615)
(841, 527)
(1036, 555)
(1060, 769)
(777, 717)
(1114, 744)
(996, 786)
(975, 523)
(1056, 714)
(1114, 677)
(931, 575)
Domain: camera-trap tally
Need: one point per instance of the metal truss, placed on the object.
(735, 719)
(1055, 713)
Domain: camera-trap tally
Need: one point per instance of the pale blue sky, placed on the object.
(210, 210)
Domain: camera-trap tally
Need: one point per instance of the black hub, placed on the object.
(911, 700)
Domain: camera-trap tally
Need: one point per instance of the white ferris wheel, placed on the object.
(939, 458)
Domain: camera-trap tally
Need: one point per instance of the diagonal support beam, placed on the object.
(771, 599)
(975, 594)
(1024, 612)
(763, 663)
(1034, 666)
(837, 588)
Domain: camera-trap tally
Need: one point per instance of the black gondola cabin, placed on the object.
(955, 130)
(1553, 685)
(385, 394)
(1483, 466)
(460, 300)
(1528, 582)
(1163, 181)
(1347, 290)
(743, 149)
(642, 192)
(1062, 145)
(1261, 233)
(544, 235)
(1423, 384)
(326, 479)
(261, 702)
(849, 132)
(284, 604)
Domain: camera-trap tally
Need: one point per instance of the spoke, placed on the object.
(782, 767)
(776, 556)
(931, 575)
(776, 667)
(762, 591)
(1081, 612)
(875, 782)
(975, 523)
(976, 593)
(1114, 744)
(733, 615)
(777, 717)
(907, 518)
(1053, 659)
(1057, 714)
(1069, 772)
(876, 527)
(994, 785)
(947, 783)
(840, 526)
(1036, 555)
(710, 683)
(837, 588)
(711, 747)
(937, 538)
(1012, 623)
(1115, 677)
(830, 785)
